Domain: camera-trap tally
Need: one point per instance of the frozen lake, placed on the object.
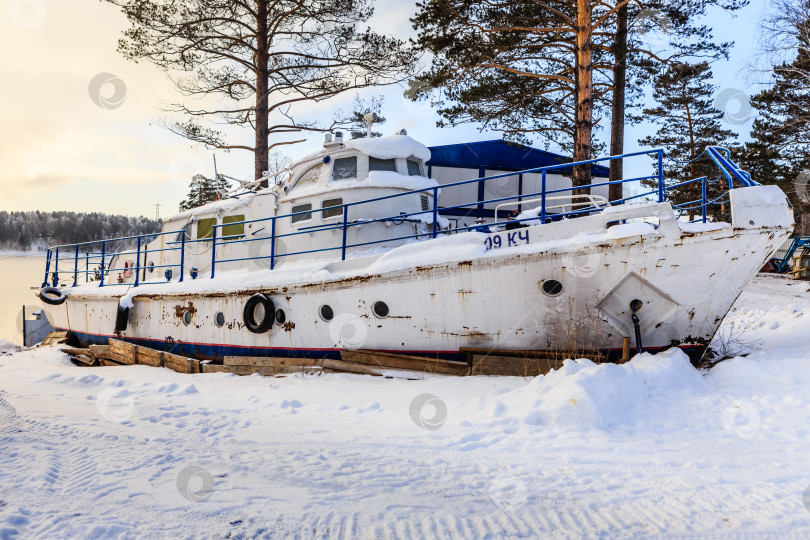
(18, 273)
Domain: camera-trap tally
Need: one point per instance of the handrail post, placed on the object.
(435, 211)
(76, 266)
(182, 254)
(56, 269)
(47, 267)
(213, 250)
(87, 267)
(103, 253)
(273, 243)
(703, 197)
(345, 221)
(138, 263)
(543, 198)
(660, 176)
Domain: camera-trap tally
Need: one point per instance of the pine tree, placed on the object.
(779, 152)
(555, 69)
(360, 108)
(687, 123)
(203, 190)
(259, 60)
(636, 62)
(524, 68)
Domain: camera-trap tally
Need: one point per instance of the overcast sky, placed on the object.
(65, 150)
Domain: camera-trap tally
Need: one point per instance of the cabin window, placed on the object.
(332, 208)
(232, 226)
(413, 168)
(311, 175)
(345, 168)
(375, 164)
(186, 230)
(302, 208)
(205, 228)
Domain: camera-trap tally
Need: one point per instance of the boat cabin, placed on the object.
(345, 181)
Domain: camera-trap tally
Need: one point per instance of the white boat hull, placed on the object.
(687, 282)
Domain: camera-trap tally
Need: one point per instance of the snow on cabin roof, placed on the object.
(222, 205)
(388, 179)
(390, 147)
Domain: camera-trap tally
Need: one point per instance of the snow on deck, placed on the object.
(649, 448)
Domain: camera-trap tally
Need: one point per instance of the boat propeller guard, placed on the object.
(621, 304)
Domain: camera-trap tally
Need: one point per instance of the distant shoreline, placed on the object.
(8, 253)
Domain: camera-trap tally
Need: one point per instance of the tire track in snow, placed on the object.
(51, 469)
(8, 417)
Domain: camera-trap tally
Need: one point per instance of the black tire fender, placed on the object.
(121, 319)
(52, 295)
(262, 326)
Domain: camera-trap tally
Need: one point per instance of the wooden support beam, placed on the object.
(108, 363)
(54, 338)
(149, 357)
(72, 351)
(123, 352)
(514, 366)
(341, 366)
(270, 361)
(267, 371)
(85, 360)
(100, 351)
(181, 364)
(387, 360)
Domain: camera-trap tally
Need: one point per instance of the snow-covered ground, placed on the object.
(649, 448)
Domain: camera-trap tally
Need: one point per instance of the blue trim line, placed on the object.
(204, 351)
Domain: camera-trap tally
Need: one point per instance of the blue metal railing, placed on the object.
(96, 262)
(798, 243)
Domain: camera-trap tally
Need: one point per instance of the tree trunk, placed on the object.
(617, 107)
(695, 186)
(262, 114)
(584, 103)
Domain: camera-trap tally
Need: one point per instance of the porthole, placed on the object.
(326, 313)
(219, 319)
(552, 287)
(380, 309)
(187, 318)
(280, 316)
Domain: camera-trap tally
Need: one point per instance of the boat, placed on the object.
(348, 248)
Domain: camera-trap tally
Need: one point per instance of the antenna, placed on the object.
(370, 118)
(216, 177)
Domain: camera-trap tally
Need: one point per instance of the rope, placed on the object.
(681, 162)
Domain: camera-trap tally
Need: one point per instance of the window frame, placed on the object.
(356, 168)
(210, 232)
(418, 164)
(228, 221)
(372, 159)
(332, 207)
(302, 217)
